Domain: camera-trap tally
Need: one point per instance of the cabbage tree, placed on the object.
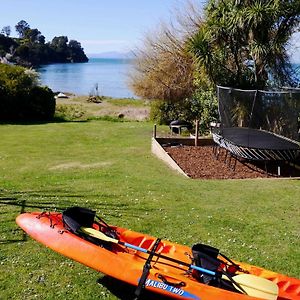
(244, 43)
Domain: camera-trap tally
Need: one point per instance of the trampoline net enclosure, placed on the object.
(276, 112)
(259, 121)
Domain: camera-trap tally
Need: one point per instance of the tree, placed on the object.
(59, 43)
(34, 36)
(73, 44)
(60, 46)
(7, 45)
(163, 69)
(76, 53)
(6, 30)
(31, 50)
(21, 28)
(41, 39)
(244, 43)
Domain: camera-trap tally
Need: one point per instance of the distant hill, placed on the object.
(111, 54)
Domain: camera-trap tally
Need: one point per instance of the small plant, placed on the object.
(94, 95)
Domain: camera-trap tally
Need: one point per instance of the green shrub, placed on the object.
(21, 99)
(40, 104)
(163, 112)
(201, 106)
(67, 112)
(15, 79)
(205, 108)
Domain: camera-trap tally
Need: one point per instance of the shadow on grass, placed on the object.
(126, 291)
(13, 203)
(8, 225)
(65, 120)
(42, 202)
(55, 120)
(23, 237)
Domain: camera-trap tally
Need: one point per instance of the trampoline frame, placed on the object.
(290, 153)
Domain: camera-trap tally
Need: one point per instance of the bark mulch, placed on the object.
(201, 162)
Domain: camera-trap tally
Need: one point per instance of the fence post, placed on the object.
(154, 131)
(196, 132)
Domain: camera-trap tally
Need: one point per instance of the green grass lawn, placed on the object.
(108, 166)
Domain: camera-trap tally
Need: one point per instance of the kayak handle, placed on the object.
(166, 281)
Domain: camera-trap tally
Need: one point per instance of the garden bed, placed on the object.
(201, 162)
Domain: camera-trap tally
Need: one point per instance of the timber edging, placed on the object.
(158, 150)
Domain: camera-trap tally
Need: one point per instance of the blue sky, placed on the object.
(99, 25)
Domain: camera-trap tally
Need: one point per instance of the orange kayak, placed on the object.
(169, 277)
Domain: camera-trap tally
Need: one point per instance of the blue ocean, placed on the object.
(110, 74)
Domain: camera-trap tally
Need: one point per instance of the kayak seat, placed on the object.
(205, 256)
(75, 218)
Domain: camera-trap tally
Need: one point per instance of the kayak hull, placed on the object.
(166, 278)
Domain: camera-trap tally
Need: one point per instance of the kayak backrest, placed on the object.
(76, 217)
(206, 257)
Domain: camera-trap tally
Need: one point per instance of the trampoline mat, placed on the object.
(257, 139)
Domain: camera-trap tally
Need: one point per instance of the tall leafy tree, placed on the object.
(163, 69)
(34, 36)
(60, 46)
(21, 28)
(30, 48)
(76, 52)
(244, 43)
(7, 45)
(59, 42)
(6, 31)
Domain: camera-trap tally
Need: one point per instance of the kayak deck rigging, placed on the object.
(171, 270)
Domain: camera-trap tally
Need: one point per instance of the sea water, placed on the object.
(108, 74)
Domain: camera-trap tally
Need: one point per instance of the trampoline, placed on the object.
(272, 124)
(254, 144)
